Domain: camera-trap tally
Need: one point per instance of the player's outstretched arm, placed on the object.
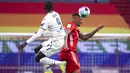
(34, 37)
(89, 35)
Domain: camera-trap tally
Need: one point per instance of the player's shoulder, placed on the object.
(51, 15)
(47, 16)
(71, 23)
(56, 12)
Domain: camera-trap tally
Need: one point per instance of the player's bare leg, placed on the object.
(44, 60)
(61, 64)
(37, 49)
(47, 68)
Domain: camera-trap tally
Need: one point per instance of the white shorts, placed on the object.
(52, 47)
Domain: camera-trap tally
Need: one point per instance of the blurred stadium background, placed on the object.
(107, 52)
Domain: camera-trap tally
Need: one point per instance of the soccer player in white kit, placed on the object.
(51, 22)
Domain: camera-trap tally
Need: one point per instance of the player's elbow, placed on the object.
(85, 38)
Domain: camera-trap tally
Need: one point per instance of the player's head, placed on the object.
(48, 6)
(77, 19)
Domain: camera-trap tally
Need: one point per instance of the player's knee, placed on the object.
(37, 49)
(39, 55)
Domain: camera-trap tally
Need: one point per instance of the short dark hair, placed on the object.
(48, 5)
(75, 14)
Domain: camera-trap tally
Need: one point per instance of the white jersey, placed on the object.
(52, 22)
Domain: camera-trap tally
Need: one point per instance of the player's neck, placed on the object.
(75, 23)
(49, 11)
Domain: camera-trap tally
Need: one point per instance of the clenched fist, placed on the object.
(21, 46)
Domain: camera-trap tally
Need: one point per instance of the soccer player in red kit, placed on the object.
(68, 52)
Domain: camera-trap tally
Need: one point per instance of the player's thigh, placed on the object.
(37, 49)
(56, 47)
(54, 43)
(58, 44)
(74, 58)
(63, 55)
(72, 63)
(51, 47)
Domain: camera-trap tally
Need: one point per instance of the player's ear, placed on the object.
(81, 18)
(73, 18)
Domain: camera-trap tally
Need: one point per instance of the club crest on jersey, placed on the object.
(69, 25)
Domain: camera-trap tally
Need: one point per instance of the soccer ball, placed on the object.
(84, 11)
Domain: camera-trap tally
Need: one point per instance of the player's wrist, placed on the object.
(26, 42)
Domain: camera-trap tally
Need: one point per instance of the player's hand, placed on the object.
(20, 47)
(100, 27)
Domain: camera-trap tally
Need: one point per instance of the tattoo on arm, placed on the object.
(87, 36)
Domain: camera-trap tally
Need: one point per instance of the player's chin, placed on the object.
(78, 25)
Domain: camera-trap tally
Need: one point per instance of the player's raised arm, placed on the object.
(41, 30)
(34, 37)
(89, 35)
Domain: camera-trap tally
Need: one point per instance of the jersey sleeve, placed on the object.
(44, 24)
(70, 27)
(35, 36)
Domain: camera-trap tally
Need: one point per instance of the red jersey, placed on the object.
(73, 36)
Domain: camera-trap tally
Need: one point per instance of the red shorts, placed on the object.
(72, 60)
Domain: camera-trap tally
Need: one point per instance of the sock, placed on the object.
(48, 61)
(47, 67)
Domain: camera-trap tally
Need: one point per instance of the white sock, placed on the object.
(47, 67)
(48, 61)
